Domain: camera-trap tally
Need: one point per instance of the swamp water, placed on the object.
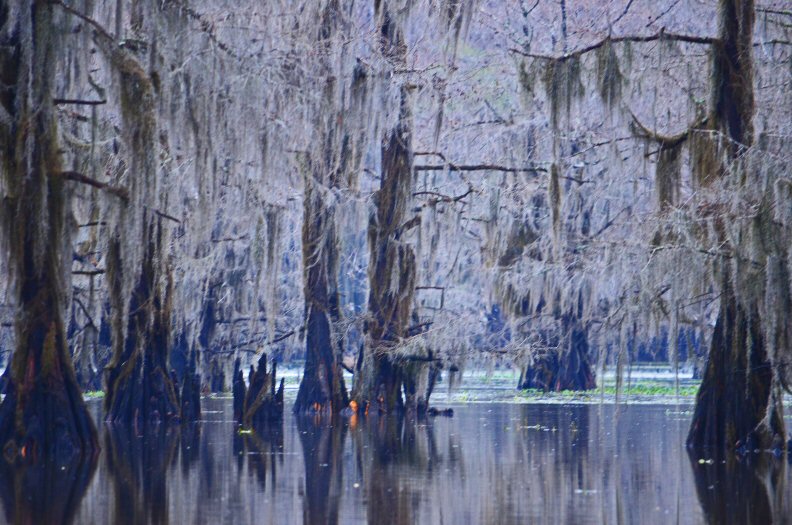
(490, 463)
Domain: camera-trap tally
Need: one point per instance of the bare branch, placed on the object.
(660, 35)
(121, 193)
(96, 25)
(78, 101)
(666, 141)
(476, 167)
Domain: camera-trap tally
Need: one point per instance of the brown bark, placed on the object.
(322, 386)
(331, 166)
(260, 403)
(739, 402)
(140, 389)
(735, 405)
(392, 269)
(568, 368)
(43, 414)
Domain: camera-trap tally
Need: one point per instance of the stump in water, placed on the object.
(43, 415)
(190, 392)
(568, 368)
(216, 377)
(260, 403)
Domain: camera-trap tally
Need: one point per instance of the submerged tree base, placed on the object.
(567, 370)
(52, 425)
(737, 407)
(259, 403)
(399, 387)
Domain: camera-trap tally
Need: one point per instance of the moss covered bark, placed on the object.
(331, 168)
(43, 414)
(140, 389)
(392, 268)
(140, 386)
(738, 405)
(322, 386)
(568, 367)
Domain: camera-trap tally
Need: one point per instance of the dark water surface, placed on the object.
(490, 463)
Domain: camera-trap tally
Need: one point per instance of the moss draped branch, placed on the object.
(660, 35)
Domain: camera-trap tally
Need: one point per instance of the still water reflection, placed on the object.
(490, 463)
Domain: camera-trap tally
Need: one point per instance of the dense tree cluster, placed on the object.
(388, 188)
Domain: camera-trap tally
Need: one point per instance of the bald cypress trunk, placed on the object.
(392, 268)
(736, 391)
(140, 389)
(567, 368)
(330, 168)
(322, 386)
(43, 414)
(739, 402)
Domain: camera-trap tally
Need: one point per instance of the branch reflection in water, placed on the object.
(743, 490)
(45, 492)
(490, 463)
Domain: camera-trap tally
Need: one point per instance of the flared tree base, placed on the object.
(53, 425)
(738, 406)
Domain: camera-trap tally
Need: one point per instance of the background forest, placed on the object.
(395, 188)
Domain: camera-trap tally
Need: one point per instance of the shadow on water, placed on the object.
(490, 463)
(382, 449)
(386, 447)
(138, 468)
(751, 490)
(263, 449)
(322, 442)
(44, 493)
